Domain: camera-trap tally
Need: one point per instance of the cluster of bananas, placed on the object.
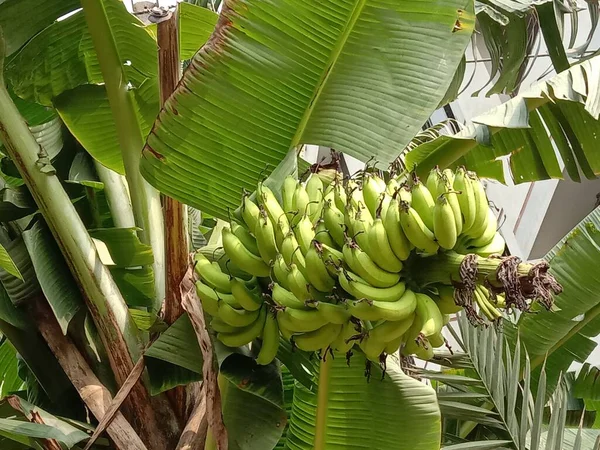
(325, 267)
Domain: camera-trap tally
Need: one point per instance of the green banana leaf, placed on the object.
(518, 128)
(559, 336)
(9, 374)
(278, 74)
(392, 412)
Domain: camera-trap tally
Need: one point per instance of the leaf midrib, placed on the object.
(333, 59)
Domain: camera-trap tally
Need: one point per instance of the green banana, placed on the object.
(481, 207)
(359, 288)
(314, 189)
(283, 297)
(250, 213)
(208, 297)
(372, 190)
(221, 327)
(437, 340)
(379, 248)
(269, 202)
(322, 234)
(334, 222)
(362, 264)
(392, 186)
(425, 351)
(429, 315)
(391, 330)
(301, 321)
(242, 257)
(245, 237)
(270, 341)
(281, 271)
(415, 230)
(318, 339)
(495, 247)
(333, 259)
(445, 188)
(444, 226)
(337, 314)
(318, 275)
(344, 342)
(291, 253)
(339, 195)
(488, 233)
(432, 181)
(285, 332)
(282, 229)
(398, 241)
(298, 284)
(265, 237)
(372, 348)
(246, 334)
(300, 203)
(393, 345)
(378, 310)
(482, 299)
(423, 203)
(305, 233)
(445, 300)
(236, 317)
(211, 273)
(466, 198)
(287, 193)
(249, 299)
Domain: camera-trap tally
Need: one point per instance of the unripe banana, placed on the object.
(466, 198)
(283, 297)
(415, 230)
(249, 299)
(344, 341)
(339, 194)
(265, 237)
(300, 321)
(334, 222)
(281, 271)
(429, 314)
(337, 314)
(314, 189)
(236, 317)
(229, 299)
(496, 247)
(317, 272)
(359, 227)
(242, 257)
(304, 233)
(391, 330)
(425, 351)
(208, 297)
(300, 204)
(359, 288)
(481, 208)
(245, 237)
(286, 333)
(393, 345)
(298, 284)
(322, 234)
(398, 241)
(432, 181)
(392, 186)
(287, 193)
(221, 327)
(269, 202)
(482, 299)
(378, 310)
(246, 334)
(329, 176)
(211, 273)
(372, 190)
(282, 229)
(488, 233)
(318, 339)
(379, 248)
(372, 348)
(444, 226)
(333, 259)
(445, 301)
(437, 340)
(291, 252)
(445, 188)
(362, 264)
(404, 194)
(423, 203)
(270, 341)
(250, 213)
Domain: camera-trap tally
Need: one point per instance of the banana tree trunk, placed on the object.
(104, 300)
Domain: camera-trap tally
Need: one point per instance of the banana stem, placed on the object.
(445, 268)
(322, 402)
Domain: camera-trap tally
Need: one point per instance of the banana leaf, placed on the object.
(279, 74)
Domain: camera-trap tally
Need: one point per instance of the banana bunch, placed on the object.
(323, 263)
